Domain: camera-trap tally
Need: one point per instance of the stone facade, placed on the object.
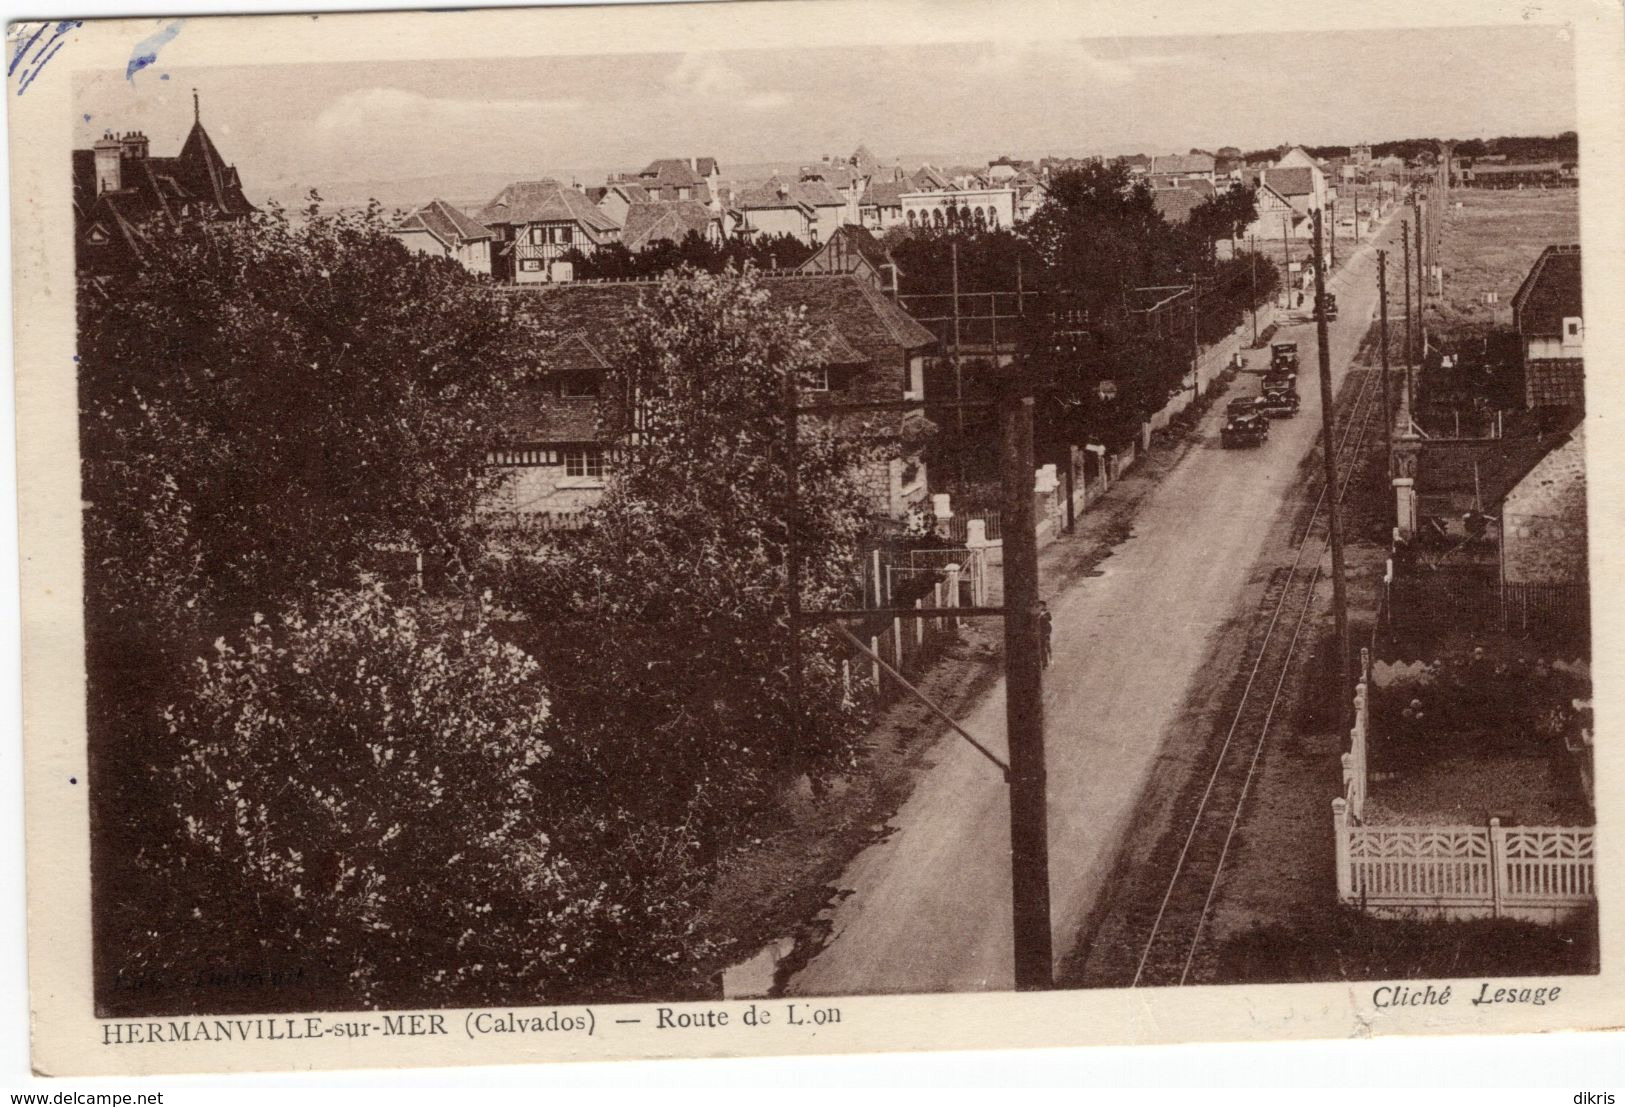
(1543, 520)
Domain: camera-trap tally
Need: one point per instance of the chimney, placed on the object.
(108, 175)
(134, 145)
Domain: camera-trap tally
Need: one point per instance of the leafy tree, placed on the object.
(356, 783)
(694, 251)
(665, 621)
(263, 405)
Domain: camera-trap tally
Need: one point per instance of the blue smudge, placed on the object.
(45, 53)
(146, 51)
(164, 77)
(87, 117)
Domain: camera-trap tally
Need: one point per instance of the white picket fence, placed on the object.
(1539, 871)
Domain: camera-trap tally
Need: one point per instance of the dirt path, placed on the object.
(927, 908)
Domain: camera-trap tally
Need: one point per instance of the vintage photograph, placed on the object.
(781, 522)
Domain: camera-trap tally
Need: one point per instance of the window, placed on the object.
(815, 380)
(530, 265)
(583, 461)
(565, 237)
(538, 236)
(527, 458)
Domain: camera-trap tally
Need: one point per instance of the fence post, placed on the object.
(919, 625)
(874, 663)
(1498, 865)
(897, 642)
(952, 588)
(1340, 827)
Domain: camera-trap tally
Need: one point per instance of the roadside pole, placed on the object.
(1252, 253)
(1410, 317)
(1024, 692)
(1329, 453)
(1387, 407)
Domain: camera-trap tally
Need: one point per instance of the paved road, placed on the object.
(928, 908)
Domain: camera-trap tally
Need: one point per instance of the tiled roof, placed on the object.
(1448, 473)
(1550, 293)
(1292, 181)
(866, 318)
(446, 223)
(847, 243)
(544, 201)
(1555, 382)
(1182, 163)
(884, 194)
(1176, 204)
(780, 193)
(663, 220)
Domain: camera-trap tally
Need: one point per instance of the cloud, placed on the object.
(374, 110)
(1101, 62)
(707, 77)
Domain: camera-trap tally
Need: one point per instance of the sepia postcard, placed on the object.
(814, 526)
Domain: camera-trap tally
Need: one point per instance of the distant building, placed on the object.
(881, 206)
(536, 223)
(808, 210)
(982, 207)
(855, 250)
(677, 179)
(654, 221)
(1179, 170)
(614, 199)
(118, 186)
(1547, 312)
(440, 230)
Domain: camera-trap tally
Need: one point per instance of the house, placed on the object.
(536, 223)
(652, 221)
(853, 249)
(1543, 519)
(1547, 312)
(1275, 218)
(677, 179)
(881, 206)
(928, 178)
(1177, 170)
(808, 210)
(1306, 193)
(560, 456)
(1030, 196)
(1176, 204)
(614, 199)
(440, 230)
(118, 185)
(982, 207)
(1545, 174)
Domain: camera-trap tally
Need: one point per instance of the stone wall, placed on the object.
(1543, 537)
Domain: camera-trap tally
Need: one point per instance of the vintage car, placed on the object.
(1331, 306)
(1244, 405)
(1284, 355)
(1245, 429)
(1280, 403)
(1280, 378)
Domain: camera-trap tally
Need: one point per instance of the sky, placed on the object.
(327, 125)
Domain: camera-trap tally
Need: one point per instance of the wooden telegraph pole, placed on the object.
(1252, 254)
(1329, 453)
(1024, 691)
(1410, 316)
(1387, 407)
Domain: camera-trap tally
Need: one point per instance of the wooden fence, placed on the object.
(1474, 599)
(1490, 869)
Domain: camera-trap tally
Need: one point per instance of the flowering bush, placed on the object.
(357, 785)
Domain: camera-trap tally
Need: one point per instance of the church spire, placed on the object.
(197, 112)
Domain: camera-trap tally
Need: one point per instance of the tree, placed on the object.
(352, 787)
(264, 404)
(665, 621)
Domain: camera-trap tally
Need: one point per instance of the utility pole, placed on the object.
(1286, 262)
(959, 376)
(1252, 253)
(1329, 453)
(1333, 205)
(1410, 317)
(1421, 351)
(1024, 691)
(1196, 338)
(1387, 408)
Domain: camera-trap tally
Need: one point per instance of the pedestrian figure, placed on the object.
(1046, 626)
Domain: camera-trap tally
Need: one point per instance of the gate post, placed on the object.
(874, 665)
(952, 588)
(1498, 866)
(1340, 827)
